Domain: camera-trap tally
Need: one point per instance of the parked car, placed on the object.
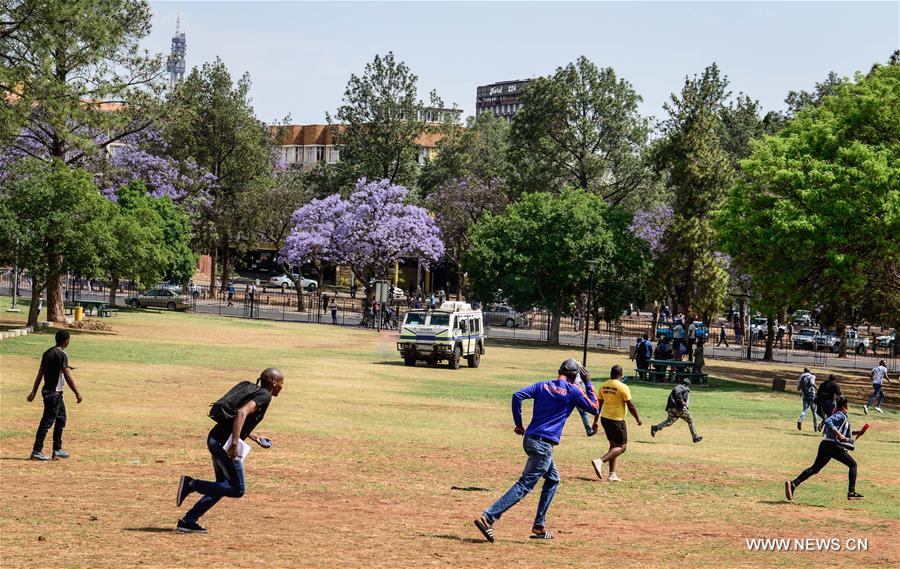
(759, 327)
(887, 340)
(177, 288)
(802, 317)
(286, 282)
(159, 298)
(501, 315)
(806, 339)
(831, 341)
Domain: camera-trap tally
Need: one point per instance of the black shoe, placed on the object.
(592, 432)
(854, 496)
(189, 527)
(184, 488)
(653, 430)
(698, 439)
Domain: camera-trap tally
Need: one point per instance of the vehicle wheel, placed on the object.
(134, 303)
(195, 294)
(474, 359)
(454, 359)
(312, 287)
(171, 306)
(411, 362)
(510, 323)
(861, 349)
(836, 348)
(285, 286)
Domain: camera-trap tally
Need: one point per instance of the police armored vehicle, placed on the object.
(450, 333)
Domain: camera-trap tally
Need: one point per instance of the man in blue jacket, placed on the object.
(553, 403)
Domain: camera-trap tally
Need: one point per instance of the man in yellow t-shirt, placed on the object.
(614, 397)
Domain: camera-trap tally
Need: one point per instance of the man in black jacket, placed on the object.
(825, 397)
(678, 408)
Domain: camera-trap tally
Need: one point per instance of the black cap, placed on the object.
(569, 368)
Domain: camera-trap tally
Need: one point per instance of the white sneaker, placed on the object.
(614, 478)
(879, 410)
(866, 409)
(598, 467)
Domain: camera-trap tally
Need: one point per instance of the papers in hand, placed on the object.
(243, 448)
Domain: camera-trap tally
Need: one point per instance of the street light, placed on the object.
(592, 266)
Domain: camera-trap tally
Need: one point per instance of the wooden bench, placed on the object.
(107, 311)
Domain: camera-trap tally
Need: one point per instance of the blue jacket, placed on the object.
(839, 422)
(553, 402)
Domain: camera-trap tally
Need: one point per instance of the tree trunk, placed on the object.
(654, 322)
(55, 310)
(840, 329)
(113, 287)
(459, 283)
(213, 269)
(770, 338)
(33, 311)
(555, 320)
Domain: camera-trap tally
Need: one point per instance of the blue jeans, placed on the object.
(588, 423)
(808, 404)
(539, 465)
(229, 481)
(877, 395)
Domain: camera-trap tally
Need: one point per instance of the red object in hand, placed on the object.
(863, 430)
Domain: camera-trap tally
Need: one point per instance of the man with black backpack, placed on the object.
(236, 414)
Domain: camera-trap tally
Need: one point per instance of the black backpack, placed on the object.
(223, 410)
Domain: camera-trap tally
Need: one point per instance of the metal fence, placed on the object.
(336, 307)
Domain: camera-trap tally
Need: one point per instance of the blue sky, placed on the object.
(301, 54)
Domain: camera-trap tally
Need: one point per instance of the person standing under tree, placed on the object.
(836, 441)
(227, 464)
(678, 407)
(878, 374)
(806, 385)
(614, 397)
(643, 352)
(553, 403)
(54, 371)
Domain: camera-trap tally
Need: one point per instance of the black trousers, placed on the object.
(827, 451)
(54, 416)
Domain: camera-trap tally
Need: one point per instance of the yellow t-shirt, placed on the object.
(614, 394)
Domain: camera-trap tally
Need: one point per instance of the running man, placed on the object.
(678, 407)
(806, 385)
(878, 374)
(228, 466)
(553, 403)
(54, 371)
(836, 441)
(614, 398)
(825, 396)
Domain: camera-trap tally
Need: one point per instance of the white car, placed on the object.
(286, 282)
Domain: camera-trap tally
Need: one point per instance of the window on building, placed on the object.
(309, 155)
(334, 154)
(320, 153)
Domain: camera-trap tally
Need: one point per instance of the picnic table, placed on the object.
(670, 371)
(99, 307)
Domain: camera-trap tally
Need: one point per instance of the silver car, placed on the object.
(501, 315)
(159, 298)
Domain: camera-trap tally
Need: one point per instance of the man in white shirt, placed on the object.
(878, 374)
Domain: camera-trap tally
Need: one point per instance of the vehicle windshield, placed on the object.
(807, 332)
(440, 320)
(760, 321)
(416, 318)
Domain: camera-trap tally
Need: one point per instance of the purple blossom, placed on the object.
(650, 225)
(369, 231)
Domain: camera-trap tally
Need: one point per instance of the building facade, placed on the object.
(502, 99)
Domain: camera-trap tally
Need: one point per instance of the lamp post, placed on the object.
(15, 281)
(592, 266)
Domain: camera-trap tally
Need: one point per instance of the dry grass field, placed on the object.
(371, 460)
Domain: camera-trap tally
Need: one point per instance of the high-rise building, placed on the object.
(502, 99)
(175, 62)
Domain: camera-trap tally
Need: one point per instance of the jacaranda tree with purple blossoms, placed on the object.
(369, 231)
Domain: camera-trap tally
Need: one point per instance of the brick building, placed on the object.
(502, 99)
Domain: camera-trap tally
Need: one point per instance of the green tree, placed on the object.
(176, 232)
(692, 155)
(816, 216)
(536, 251)
(54, 222)
(212, 121)
(626, 280)
(138, 252)
(477, 154)
(579, 127)
(378, 125)
(77, 66)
